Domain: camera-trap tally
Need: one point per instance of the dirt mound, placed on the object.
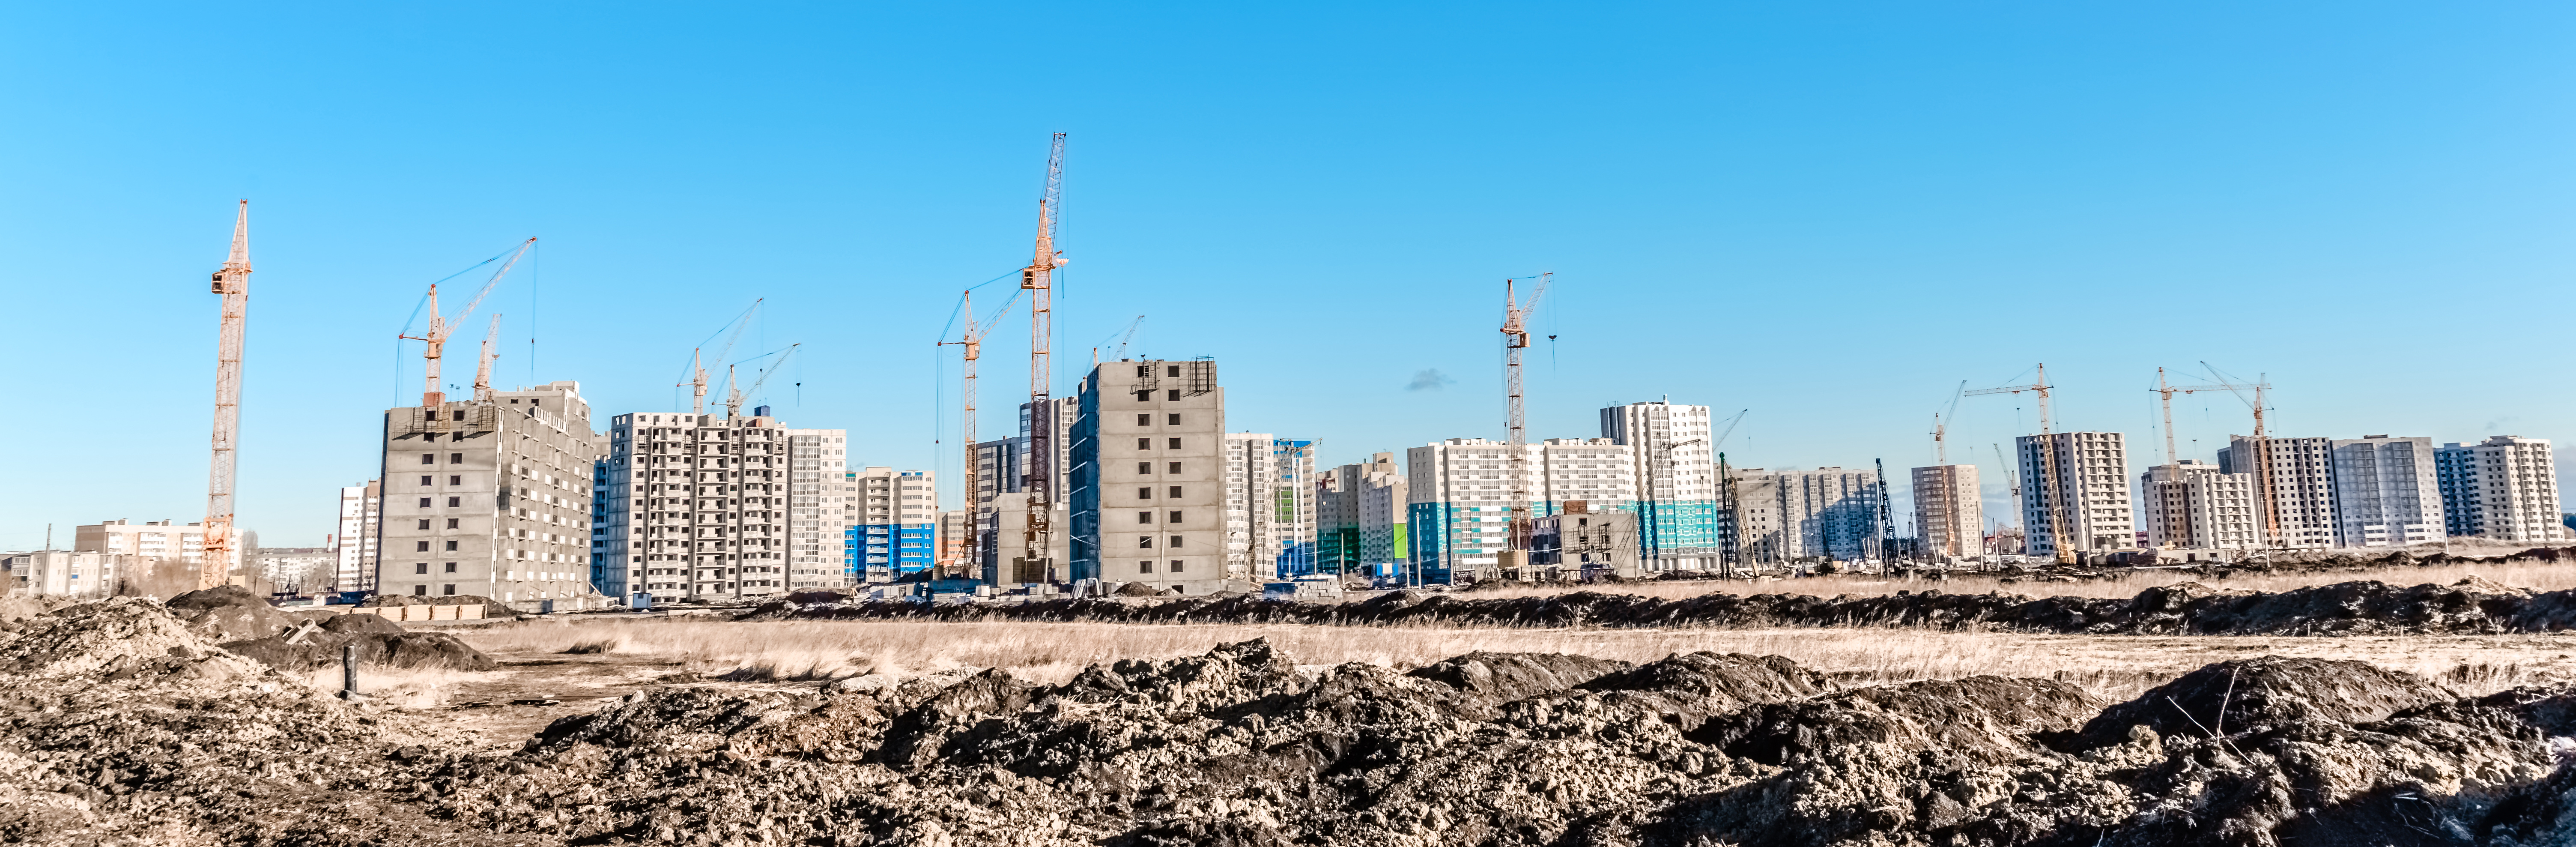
(2260, 694)
(230, 613)
(379, 642)
(128, 728)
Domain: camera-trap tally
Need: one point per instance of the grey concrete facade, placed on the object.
(1146, 477)
(489, 498)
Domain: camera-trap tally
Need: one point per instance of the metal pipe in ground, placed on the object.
(348, 671)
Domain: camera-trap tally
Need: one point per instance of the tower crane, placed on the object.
(1941, 425)
(2012, 471)
(2264, 498)
(233, 282)
(1516, 339)
(1120, 351)
(2048, 459)
(1039, 280)
(1720, 441)
(973, 342)
(734, 396)
(440, 327)
(483, 365)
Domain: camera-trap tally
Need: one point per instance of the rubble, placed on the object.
(245, 624)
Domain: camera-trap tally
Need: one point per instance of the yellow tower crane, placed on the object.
(233, 282)
(1039, 280)
(2054, 487)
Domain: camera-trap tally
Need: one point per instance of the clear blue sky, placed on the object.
(1829, 213)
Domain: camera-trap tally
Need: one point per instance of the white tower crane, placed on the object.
(233, 282)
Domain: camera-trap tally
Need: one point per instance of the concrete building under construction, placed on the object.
(2195, 506)
(2090, 488)
(489, 497)
(1949, 516)
(1146, 477)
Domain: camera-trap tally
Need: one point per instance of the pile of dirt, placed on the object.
(246, 624)
(2468, 607)
(127, 727)
(1241, 747)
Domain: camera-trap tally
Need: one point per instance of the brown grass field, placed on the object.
(2538, 576)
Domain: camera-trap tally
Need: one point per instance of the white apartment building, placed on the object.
(821, 508)
(1358, 507)
(57, 573)
(2297, 475)
(698, 506)
(896, 528)
(489, 497)
(296, 570)
(1460, 494)
(2504, 489)
(354, 547)
(1148, 477)
(148, 540)
(1827, 513)
(1250, 465)
(2091, 490)
(2387, 491)
(1672, 450)
(2193, 505)
(1949, 513)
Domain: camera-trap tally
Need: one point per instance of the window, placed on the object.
(1146, 566)
(1144, 517)
(1176, 542)
(1175, 445)
(1173, 370)
(1174, 419)
(1144, 419)
(1144, 542)
(424, 502)
(1144, 444)
(429, 458)
(1173, 394)
(1144, 467)
(1176, 567)
(451, 567)
(420, 568)
(451, 523)
(419, 590)
(455, 458)
(1145, 492)
(456, 501)
(424, 523)
(455, 479)
(423, 547)
(451, 546)
(1176, 467)
(1176, 491)
(427, 480)
(1175, 517)
(451, 588)
(1144, 370)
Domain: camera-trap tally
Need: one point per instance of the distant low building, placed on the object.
(59, 573)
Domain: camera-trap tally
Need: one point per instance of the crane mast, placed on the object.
(2264, 496)
(233, 282)
(1039, 280)
(2048, 461)
(1516, 339)
(483, 365)
(973, 346)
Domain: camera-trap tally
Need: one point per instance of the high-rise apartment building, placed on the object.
(1460, 495)
(1949, 513)
(2296, 476)
(2504, 489)
(897, 527)
(697, 506)
(2091, 489)
(1147, 479)
(822, 505)
(361, 508)
(1348, 531)
(1291, 507)
(955, 539)
(295, 570)
(1671, 447)
(2191, 505)
(1249, 467)
(1790, 516)
(489, 497)
(2387, 492)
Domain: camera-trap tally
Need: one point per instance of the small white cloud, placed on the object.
(1430, 379)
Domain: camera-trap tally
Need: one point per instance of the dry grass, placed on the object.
(2115, 666)
(2538, 576)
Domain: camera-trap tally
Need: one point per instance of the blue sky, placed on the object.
(1829, 213)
